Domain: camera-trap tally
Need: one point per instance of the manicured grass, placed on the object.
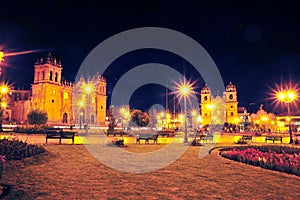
(71, 172)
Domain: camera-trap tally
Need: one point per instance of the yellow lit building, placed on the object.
(57, 97)
(219, 110)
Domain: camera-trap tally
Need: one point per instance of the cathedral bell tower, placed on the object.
(206, 106)
(49, 92)
(230, 96)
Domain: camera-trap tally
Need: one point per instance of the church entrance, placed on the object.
(65, 118)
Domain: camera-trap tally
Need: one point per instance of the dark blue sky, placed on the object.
(255, 44)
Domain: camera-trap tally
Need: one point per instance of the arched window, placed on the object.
(65, 118)
(56, 77)
(230, 96)
(92, 119)
(205, 98)
(50, 76)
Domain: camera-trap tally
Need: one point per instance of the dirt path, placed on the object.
(71, 172)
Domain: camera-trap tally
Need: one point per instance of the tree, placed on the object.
(112, 121)
(140, 118)
(37, 117)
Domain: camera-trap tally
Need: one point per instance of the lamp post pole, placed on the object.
(288, 96)
(185, 120)
(80, 119)
(87, 114)
(290, 128)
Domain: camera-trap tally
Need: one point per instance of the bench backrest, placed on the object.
(247, 137)
(153, 136)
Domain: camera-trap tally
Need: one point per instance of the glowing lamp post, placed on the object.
(287, 96)
(88, 89)
(3, 103)
(185, 91)
(81, 104)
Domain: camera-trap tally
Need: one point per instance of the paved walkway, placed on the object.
(94, 138)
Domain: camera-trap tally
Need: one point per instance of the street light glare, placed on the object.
(194, 113)
(88, 88)
(286, 96)
(4, 89)
(291, 95)
(281, 96)
(81, 103)
(185, 90)
(3, 105)
(1, 56)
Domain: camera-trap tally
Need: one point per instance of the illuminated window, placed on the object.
(66, 95)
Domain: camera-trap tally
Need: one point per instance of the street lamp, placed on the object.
(287, 96)
(185, 91)
(81, 104)
(1, 59)
(88, 89)
(3, 102)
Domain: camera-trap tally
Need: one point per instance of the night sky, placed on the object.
(254, 44)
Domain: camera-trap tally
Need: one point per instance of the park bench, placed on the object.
(115, 132)
(247, 138)
(274, 138)
(59, 134)
(206, 138)
(198, 138)
(147, 138)
(167, 133)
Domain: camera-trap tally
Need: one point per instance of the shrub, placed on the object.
(17, 150)
(37, 117)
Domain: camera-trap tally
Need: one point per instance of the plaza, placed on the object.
(70, 171)
(149, 100)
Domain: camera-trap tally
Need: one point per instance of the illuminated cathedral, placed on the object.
(217, 110)
(60, 99)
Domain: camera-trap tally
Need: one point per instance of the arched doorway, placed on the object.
(92, 119)
(65, 118)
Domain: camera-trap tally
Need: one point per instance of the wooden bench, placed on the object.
(167, 133)
(206, 138)
(198, 138)
(59, 134)
(273, 138)
(247, 138)
(147, 138)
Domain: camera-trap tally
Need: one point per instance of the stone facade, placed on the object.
(58, 97)
(219, 110)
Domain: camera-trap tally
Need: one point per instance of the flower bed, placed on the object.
(273, 158)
